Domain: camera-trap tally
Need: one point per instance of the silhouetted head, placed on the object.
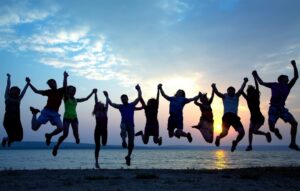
(14, 92)
(231, 91)
(99, 106)
(251, 90)
(152, 103)
(180, 93)
(124, 99)
(52, 84)
(204, 98)
(71, 90)
(283, 79)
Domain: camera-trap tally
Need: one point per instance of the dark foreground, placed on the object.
(252, 179)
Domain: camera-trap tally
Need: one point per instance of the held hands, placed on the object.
(95, 90)
(213, 85)
(66, 74)
(27, 80)
(137, 87)
(159, 86)
(245, 80)
(254, 73)
(105, 94)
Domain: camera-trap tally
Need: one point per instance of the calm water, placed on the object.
(146, 159)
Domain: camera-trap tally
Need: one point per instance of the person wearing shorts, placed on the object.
(175, 120)
(230, 117)
(50, 111)
(127, 120)
(279, 93)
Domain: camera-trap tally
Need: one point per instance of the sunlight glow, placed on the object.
(217, 128)
(221, 159)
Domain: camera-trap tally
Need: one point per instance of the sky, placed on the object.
(114, 45)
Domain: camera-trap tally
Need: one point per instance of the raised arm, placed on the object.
(163, 93)
(239, 92)
(114, 105)
(88, 97)
(211, 97)
(293, 81)
(143, 103)
(138, 88)
(65, 83)
(24, 89)
(259, 80)
(7, 86)
(197, 103)
(157, 96)
(96, 96)
(34, 89)
(194, 98)
(214, 87)
(256, 84)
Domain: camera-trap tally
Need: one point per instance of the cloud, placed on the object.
(20, 12)
(174, 10)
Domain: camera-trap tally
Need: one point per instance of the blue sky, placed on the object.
(113, 45)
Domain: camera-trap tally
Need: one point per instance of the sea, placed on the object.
(34, 156)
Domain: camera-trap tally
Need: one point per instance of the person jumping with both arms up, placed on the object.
(175, 120)
(206, 123)
(257, 119)
(152, 126)
(230, 117)
(100, 133)
(280, 91)
(127, 120)
(70, 115)
(12, 117)
(50, 111)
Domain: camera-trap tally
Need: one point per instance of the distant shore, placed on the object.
(265, 178)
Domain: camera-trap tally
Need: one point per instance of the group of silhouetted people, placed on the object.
(280, 91)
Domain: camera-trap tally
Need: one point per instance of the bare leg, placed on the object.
(61, 138)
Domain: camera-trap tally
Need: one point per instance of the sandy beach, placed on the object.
(267, 178)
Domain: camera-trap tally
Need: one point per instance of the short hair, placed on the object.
(51, 80)
(124, 96)
(231, 88)
(281, 77)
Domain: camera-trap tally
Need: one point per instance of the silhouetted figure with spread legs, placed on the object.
(230, 117)
(280, 91)
(206, 123)
(50, 111)
(70, 115)
(152, 126)
(257, 119)
(127, 120)
(12, 116)
(175, 120)
(100, 133)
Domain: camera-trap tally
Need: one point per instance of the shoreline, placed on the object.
(256, 178)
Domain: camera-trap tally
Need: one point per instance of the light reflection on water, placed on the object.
(221, 160)
(146, 159)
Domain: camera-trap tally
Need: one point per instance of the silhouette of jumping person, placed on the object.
(175, 120)
(279, 93)
(257, 119)
(70, 115)
(12, 118)
(50, 111)
(230, 117)
(127, 120)
(206, 123)
(100, 133)
(152, 126)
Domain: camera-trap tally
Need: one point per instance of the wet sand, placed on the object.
(252, 179)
